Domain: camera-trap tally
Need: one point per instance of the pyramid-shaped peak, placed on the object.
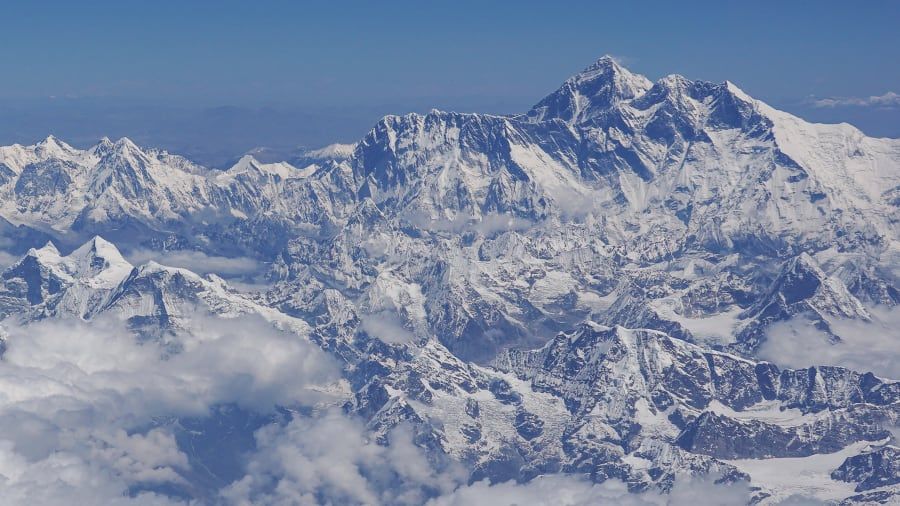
(98, 257)
(103, 147)
(50, 140)
(122, 148)
(591, 92)
(804, 262)
(604, 63)
(99, 246)
(52, 145)
(125, 142)
(799, 279)
(48, 248)
(248, 163)
(738, 92)
(45, 255)
(244, 163)
(608, 70)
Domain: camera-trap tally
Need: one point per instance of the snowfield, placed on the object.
(635, 289)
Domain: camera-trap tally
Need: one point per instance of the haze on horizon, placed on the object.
(213, 83)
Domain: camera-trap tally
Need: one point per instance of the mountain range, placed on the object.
(592, 287)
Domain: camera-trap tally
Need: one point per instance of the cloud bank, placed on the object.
(887, 100)
(79, 402)
(80, 405)
(198, 262)
(332, 459)
(386, 326)
(865, 346)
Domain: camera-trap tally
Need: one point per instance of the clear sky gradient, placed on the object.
(294, 62)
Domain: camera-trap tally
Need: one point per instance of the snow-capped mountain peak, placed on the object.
(582, 289)
(51, 146)
(335, 151)
(45, 282)
(103, 147)
(47, 252)
(590, 92)
(99, 261)
(249, 164)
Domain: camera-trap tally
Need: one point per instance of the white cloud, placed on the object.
(74, 397)
(566, 490)
(141, 458)
(493, 223)
(887, 100)
(243, 360)
(198, 262)
(487, 225)
(387, 326)
(332, 459)
(865, 346)
(7, 259)
(64, 478)
(622, 60)
(799, 500)
(76, 400)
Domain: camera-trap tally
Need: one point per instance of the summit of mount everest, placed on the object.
(596, 287)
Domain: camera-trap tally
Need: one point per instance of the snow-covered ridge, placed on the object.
(248, 164)
(634, 402)
(96, 279)
(581, 288)
(686, 161)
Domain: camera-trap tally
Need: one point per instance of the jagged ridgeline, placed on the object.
(583, 288)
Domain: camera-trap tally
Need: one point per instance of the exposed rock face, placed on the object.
(874, 469)
(580, 288)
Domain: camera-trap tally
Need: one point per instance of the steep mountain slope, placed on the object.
(635, 405)
(581, 288)
(76, 284)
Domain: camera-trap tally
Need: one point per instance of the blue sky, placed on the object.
(364, 59)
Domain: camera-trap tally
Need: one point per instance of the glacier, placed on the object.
(580, 290)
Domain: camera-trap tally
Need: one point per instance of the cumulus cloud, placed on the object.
(7, 259)
(387, 326)
(243, 360)
(331, 459)
(887, 100)
(65, 478)
(865, 346)
(198, 262)
(575, 206)
(78, 401)
(493, 223)
(141, 458)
